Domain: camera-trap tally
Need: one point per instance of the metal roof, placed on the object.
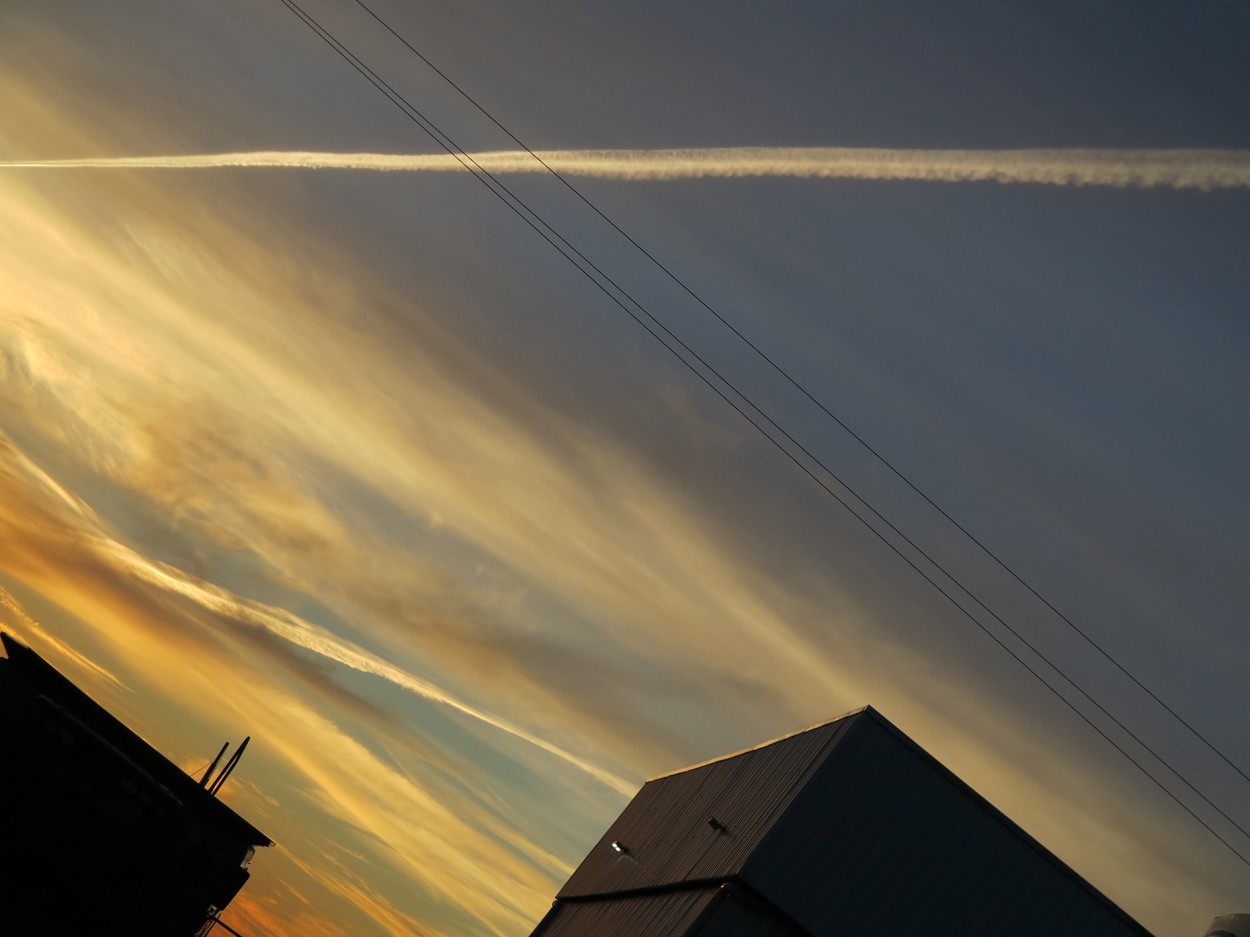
(665, 829)
(846, 827)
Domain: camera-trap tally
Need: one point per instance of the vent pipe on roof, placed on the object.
(1230, 925)
(213, 767)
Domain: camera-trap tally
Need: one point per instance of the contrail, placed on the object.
(318, 640)
(1203, 169)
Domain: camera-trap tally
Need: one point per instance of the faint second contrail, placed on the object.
(1204, 169)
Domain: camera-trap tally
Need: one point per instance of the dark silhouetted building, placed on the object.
(843, 830)
(100, 833)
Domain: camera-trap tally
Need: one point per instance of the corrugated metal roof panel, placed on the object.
(665, 833)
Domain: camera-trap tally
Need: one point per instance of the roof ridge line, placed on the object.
(862, 710)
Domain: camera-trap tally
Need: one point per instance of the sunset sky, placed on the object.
(352, 462)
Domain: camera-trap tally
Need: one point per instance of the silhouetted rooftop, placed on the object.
(845, 828)
(103, 834)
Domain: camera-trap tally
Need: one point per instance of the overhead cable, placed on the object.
(596, 276)
(772, 363)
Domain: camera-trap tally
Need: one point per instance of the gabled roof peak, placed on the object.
(861, 711)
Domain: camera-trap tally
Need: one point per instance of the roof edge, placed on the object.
(76, 702)
(781, 738)
(1011, 826)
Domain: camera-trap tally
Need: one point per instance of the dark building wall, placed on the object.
(883, 832)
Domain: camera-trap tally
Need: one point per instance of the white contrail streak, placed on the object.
(1174, 169)
(311, 637)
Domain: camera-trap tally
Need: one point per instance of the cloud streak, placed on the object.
(232, 458)
(283, 624)
(306, 635)
(29, 626)
(1204, 169)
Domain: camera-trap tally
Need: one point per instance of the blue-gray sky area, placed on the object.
(353, 462)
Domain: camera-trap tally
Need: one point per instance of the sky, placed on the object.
(352, 462)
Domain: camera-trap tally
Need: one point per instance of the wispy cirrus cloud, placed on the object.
(184, 367)
(156, 613)
(126, 563)
(1204, 169)
(321, 641)
(24, 626)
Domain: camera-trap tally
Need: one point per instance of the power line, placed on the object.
(520, 208)
(810, 397)
(588, 269)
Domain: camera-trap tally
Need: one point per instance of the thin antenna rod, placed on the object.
(230, 766)
(209, 773)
